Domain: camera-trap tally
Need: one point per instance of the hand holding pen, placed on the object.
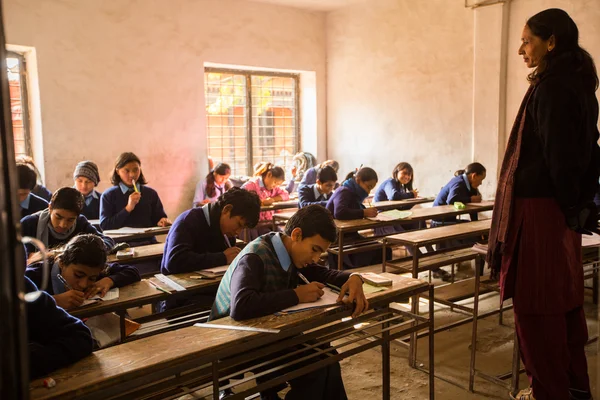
(310, 292)
(71, 298)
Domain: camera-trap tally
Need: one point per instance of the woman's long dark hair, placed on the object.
(557, 22)
(401, 166)
(123, 160)
(220, 169)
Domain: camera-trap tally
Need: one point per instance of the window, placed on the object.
(251, 117)
(15, 64)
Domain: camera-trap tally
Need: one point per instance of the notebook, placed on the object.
(328, 299)
(391, 215)
(131, 231)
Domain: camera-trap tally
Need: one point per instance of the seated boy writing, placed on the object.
(263, 279)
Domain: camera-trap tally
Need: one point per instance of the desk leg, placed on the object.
(431, 346)
(385, 361)
(412, 359)
(474, 333)
(516, 366)
(122, 324)
(341, 251)
(383, 257)
(215, 374)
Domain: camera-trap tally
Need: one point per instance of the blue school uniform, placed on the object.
(146, 213)
(43, 192)
(32, 204)
(309, 194)
(458, 189)
(56, 339)
(29, 226)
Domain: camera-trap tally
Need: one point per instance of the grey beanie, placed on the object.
(87, 169)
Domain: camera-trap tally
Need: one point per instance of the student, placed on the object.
(266, 183)
(58, 223)
(56, 339)
(347, 203)
(398, 187)
(302, 162)
(462, 188)
(30, 203)
(318, 192)
(214, 185)
(86, 178)
(263, 279)
(125, 205)
(39, 189)
(82, 264)
(310, 176)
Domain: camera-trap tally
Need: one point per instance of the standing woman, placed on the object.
(544, 198)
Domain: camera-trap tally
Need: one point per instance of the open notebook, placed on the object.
(391, 215)
(131, 231)
(328, 299)
(112, 294)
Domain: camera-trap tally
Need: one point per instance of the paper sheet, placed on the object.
(367, 288)
(328, 299)
(590, 241)
(216, 271)
(126, 230)
(391, 215)
(112, 294)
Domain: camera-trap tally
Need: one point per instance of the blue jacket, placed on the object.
(36, 204)
(146, 213)
(391, 189)
(56, 339)
(307, 196)
(345, 204)
(92, 210)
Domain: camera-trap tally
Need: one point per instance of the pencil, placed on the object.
(303, 278)
(134, 186)
(64, 282)
(333, 287)
(158, 287)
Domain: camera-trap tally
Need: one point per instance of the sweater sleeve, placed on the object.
(122, 275)
(277, 191)
(199, 193)
(458, 192)
(395, 192)
(56, 339)
(343, 208)
(290, 186)
(28, 228)
(247, 301)
(319, 273)
(158, 211)
(110, 217)
(179, 255)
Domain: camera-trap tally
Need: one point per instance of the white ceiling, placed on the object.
(315, 5)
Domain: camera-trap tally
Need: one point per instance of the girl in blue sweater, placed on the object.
(130, 202)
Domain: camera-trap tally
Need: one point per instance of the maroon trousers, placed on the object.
(542, 272)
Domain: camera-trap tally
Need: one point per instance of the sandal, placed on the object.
(525, 394)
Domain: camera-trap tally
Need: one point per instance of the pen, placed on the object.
(227, 241)
(134, 186)
(333, 287)
(64, 282)
(158, 287)
(303, 278)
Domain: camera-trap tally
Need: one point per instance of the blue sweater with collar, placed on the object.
(391, 189)
(306, 196)
(36, 204)
(146, 213)
(455, 190)
(92, 210)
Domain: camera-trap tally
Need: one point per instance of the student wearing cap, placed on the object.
(87, 177)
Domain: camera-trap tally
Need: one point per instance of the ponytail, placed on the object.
(263, 168)
(220, 169)
(475, 167)
(365, 174)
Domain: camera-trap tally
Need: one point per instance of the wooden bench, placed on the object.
(199, 358)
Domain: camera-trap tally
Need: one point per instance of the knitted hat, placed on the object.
(87, 169)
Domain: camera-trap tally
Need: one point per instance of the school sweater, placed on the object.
(56, 339)
(310, 176)
(345, 204)
(121, 275)
(82, 225)
(91, 208)
(146, 213)
(458, 189)
(391, 189)
(309, 194)
(43, 192)
(261, 280)
(193, 243)
(32, 204)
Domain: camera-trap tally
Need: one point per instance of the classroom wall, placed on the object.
(120, 76)
(400, 87)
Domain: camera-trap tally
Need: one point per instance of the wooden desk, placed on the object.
(196, 357)
(117, 237)
(418, 215)
(141, 253)
(400, 204)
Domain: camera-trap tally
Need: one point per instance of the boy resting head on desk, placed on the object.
(80, 271)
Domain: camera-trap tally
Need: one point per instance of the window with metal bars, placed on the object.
(16, 69)
(252, 116)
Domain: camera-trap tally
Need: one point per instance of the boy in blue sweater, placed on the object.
(86, 178)
(264, 279)
(30, 203)
(319, 192)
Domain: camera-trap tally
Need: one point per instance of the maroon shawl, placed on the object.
(505, 189)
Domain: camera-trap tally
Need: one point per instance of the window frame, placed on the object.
(249, 125)
(24, 101)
